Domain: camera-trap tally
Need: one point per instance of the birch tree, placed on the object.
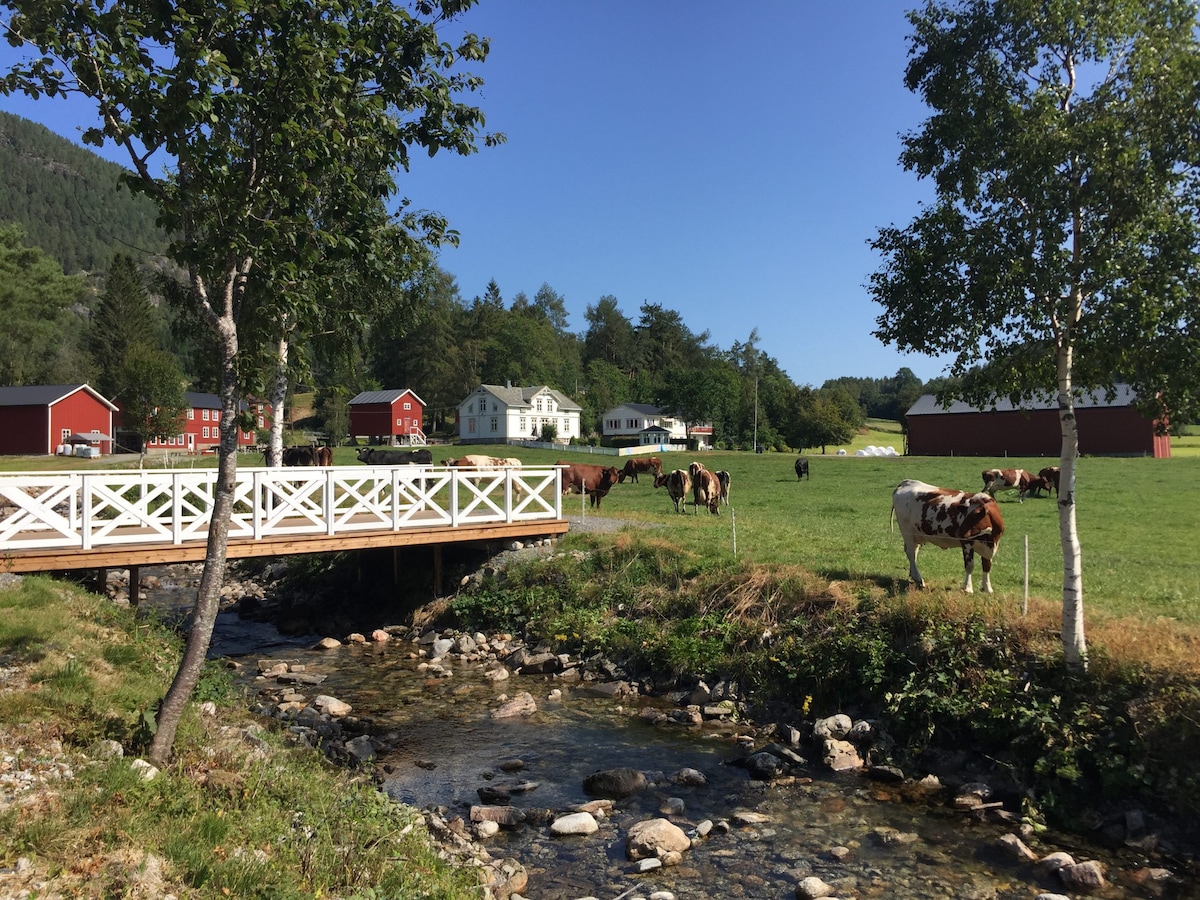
(1060, 252)
(251, 124)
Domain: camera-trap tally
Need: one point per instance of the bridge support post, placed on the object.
(437, 570)
(135, 585)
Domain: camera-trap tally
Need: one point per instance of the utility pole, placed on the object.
(756, 415)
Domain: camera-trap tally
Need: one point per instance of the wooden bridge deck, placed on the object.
(59, 521)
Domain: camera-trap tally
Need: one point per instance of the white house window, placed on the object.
(400, 422)
(495, 423)
(521, 424)
(191, 414)
(538, 404)
(204, 431)
(408, 406)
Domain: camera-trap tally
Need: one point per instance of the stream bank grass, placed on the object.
(239, 813)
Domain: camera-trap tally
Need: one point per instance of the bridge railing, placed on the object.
(90, 509)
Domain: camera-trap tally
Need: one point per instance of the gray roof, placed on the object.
(45, 394)
(200, 400)
(523, 396)
(644, 408)
(927, 404)
(383, 396)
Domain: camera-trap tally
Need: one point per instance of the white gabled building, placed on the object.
(650, 425)
(494, 414)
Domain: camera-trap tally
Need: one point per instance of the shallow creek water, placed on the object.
(858, 836)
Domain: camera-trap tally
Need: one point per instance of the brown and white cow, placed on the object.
(932, 515)
(596, 481)
(678, 483)
(1017, 480)
(635, 467)
(706, 489)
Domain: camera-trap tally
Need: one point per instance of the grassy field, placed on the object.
(1136, 519)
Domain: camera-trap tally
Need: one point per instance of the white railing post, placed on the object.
(259, 503)
(176, 509)
(454, 496)
(327, 503)
(85, 528)
(508, 494)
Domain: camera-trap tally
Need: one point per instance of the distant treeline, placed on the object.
(62, 204)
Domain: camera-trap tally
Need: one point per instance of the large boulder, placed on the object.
(614, 784)
(655, 838)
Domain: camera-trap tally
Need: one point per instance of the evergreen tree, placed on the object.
(123, 320)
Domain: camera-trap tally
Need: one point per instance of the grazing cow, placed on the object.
(802, 468)
(471, 461)
(375, 457)
(324, 456)
(596, 481)
(1007, 480)
(706, 490)
(1049, 476)
(946, 518)
(723, 479)
(300, 456)
(634, 467)
(678, 483)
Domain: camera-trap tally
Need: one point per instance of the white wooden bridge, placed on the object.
(124, 518)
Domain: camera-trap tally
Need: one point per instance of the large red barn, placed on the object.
(1109, 425)
(392, 417)
(39, 418)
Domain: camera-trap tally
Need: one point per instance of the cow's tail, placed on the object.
(892, 520)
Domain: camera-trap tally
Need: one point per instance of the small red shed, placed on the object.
(39, 418)
(392, 416)
(1109, 425)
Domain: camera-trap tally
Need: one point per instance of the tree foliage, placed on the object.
(1063, 246)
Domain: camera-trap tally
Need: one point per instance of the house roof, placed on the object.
(1123, 395)
(46, 394)
(523, 396)
(383, 397)
(654, 428)
(198, 400)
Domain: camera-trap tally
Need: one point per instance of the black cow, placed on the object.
(802, 469)
(372, 456)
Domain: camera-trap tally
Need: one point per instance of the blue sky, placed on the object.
(726, 161)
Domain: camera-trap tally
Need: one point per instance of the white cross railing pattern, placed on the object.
(86, 510)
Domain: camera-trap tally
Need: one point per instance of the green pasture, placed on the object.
(1136, 520)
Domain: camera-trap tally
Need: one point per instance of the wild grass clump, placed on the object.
(239, 813)
(939, 670)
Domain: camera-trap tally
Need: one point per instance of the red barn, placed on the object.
(1109, 425)
(392, 417)
(202, 427)
(38, 418)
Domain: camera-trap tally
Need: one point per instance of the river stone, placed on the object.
(574, 823)
(500, 674)
(1054, 861)
(360, 748)
(440, 648)
(1084, 876)
(327, 644)
(690, 778)
(832, 727)
(745, 818)
(379, 636)
(841, 756)
(501, 815)
(521, 705)
(1017, 848)
(655, 837)
(764, 766)
(614, 784)
(331, 706)
(487, 829)
(645, 865)
(812, 888)
(144, 770)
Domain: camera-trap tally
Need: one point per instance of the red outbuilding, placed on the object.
(392, 417)
(1109, 425)
(202, 426)
(41, 418)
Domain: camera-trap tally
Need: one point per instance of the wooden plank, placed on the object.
(125, 555)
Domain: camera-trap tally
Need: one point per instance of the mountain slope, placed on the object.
(69, 201)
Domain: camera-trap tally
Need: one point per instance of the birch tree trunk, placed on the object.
(208, 597)
(1074, 644)
(279, 401)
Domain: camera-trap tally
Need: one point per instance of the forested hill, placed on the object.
(69, 201)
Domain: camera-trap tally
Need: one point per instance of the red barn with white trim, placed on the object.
(393, 417)
(38, 418)
(1109, 425)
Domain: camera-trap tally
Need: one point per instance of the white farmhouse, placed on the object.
(494, 414)
(650, 425)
